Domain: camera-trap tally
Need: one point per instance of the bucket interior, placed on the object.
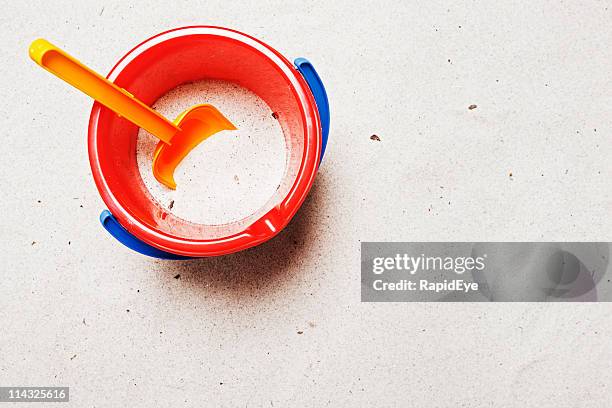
(160, 68)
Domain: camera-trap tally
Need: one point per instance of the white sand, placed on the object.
(228, 176)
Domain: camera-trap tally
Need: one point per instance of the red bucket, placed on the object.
(187, 54)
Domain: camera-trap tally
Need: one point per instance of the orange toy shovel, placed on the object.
(177, 138)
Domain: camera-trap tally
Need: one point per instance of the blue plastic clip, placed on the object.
(110, 223)
(318, 91)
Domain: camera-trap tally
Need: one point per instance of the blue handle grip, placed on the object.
(110, 223)
(318, 91)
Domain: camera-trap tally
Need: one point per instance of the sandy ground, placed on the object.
(282, 324)
(235, 173)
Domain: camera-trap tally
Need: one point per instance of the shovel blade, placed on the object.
(197, 124)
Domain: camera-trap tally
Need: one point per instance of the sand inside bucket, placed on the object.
(230, 175)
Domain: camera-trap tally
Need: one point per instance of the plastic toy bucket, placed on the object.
(174, 57)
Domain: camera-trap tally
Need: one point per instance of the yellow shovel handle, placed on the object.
(65, 67)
